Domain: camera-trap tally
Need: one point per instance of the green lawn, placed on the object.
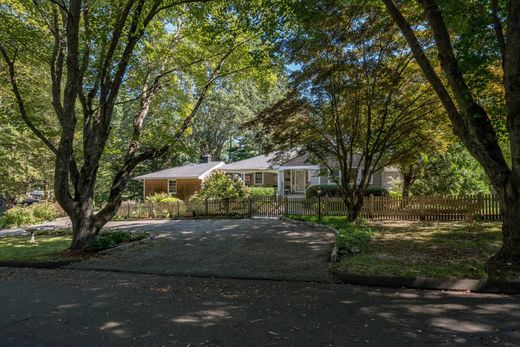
(46, 248)
(50, 245)
(415, 249)
(439, 250)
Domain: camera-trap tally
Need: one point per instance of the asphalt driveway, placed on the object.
(239, 248)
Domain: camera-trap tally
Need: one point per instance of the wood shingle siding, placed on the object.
(155, 186)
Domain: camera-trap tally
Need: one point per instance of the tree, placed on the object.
(470, 120)
(356, 103)
(222, 116)
(96, 51)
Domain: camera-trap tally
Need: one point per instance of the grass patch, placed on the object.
(352, 236)
(46, 248)
(414, 249)
(51, 245)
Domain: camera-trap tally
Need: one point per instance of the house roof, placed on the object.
(300, 160)
(187, 171)
(260, 162)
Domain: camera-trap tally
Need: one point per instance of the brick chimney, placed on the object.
(206, 158)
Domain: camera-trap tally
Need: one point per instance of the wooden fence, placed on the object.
(432, 208)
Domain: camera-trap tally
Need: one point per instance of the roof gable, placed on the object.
(187, 171)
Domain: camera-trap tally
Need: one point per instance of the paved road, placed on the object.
(58, 223)
(240, 248)
(89, 308)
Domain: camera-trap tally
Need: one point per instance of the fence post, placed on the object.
(206, 207)
(421, 208)
(319, 207)
(250, 207)
(285, 205)
(178, 209)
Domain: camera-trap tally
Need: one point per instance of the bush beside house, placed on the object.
(221, 186)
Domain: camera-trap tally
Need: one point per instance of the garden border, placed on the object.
(428, 283)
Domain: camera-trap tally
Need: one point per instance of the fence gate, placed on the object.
(267, 206)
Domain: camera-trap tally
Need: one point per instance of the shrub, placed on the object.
(110, 239)
(261, 191)
(354, 236)
(377, 192)
(45, 211)
(157, 197)
(18, 216)
(328, 190)
(170, 199)
(395, 194)
(220, 186)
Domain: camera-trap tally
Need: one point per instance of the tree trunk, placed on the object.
(83, 230)
(354, 206)
(508, 257)
(407, 183)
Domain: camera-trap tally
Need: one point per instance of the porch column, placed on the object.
(280, 182)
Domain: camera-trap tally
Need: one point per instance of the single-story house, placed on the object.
(181, 181)
(290, 177)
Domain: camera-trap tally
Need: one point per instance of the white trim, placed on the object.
(172, 180)
(201, 177)
(249, 170)
(298, 167)
(254, 179)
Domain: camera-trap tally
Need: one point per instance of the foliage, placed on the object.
(220, 186)
(261, 191)
(161, 197)
(329, 190)
(110, 239)
(453, 172)
(46, 211)
(18, 216)
(376, 191)
(219, 123)
(36, 213)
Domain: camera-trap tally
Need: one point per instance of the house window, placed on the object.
(172, 187)
(334, 176)
(259, 178)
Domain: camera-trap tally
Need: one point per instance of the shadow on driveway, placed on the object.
(237, 248)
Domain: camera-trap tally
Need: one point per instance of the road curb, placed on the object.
(463, 285)
(124, 246)
(312, 224)
(38, 265)
(334, 254)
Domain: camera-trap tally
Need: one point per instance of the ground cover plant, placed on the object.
(352, 237)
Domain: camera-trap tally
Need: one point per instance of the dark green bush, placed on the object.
(100, 242)
(377, 192)
(110, 239)
(328, 190)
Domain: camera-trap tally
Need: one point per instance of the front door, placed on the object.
(298, 181)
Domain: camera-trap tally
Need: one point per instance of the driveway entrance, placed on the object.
(240, 248)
